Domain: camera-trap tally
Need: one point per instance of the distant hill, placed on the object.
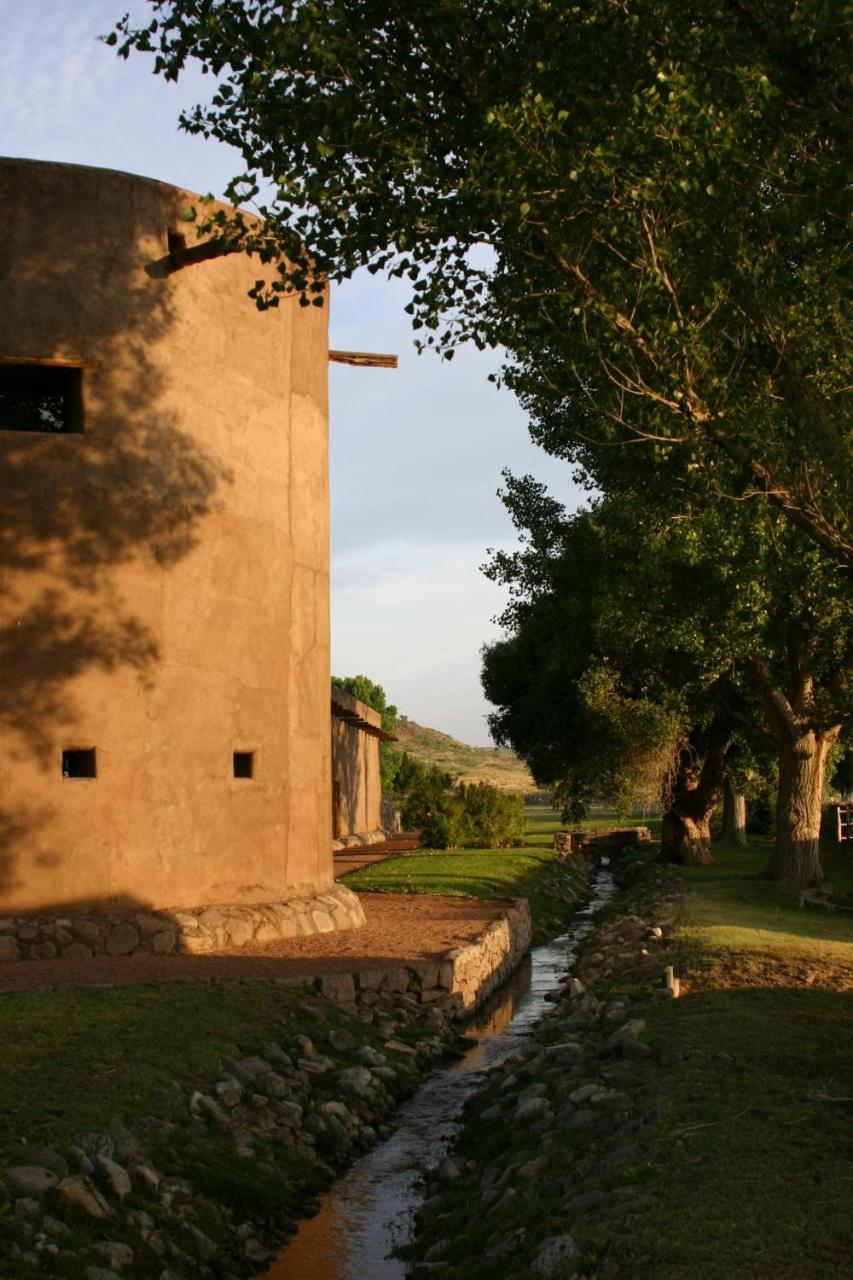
(496, 765)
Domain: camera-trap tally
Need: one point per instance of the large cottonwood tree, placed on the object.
(603, 668)
(660, 183)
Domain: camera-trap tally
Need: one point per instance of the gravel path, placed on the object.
(400, 928)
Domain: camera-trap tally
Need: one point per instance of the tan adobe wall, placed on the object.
(356, 780)
(166, 573)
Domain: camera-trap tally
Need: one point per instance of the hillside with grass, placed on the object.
(496, 765)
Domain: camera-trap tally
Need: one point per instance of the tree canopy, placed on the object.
(659, 183)
(637, 638)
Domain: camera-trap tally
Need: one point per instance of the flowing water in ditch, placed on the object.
(371, 1208)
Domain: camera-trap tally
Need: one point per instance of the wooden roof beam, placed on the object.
(363, 359)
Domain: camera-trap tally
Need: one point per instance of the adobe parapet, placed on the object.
(164, 724)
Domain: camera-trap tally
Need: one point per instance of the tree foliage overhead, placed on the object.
(660, 183)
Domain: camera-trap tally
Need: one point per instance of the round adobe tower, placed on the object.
(165, 617)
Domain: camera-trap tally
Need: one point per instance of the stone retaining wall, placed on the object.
(457, 981)
(165, 932)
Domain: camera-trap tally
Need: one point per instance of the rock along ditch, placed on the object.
(216, 1172)
(371, 1210)
(549, 1172)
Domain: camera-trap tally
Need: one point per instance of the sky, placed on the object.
(416, 453)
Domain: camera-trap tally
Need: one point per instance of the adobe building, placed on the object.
(356, 781)
(165, 764)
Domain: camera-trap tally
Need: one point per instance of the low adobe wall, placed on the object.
(196, 931)
(457, 981)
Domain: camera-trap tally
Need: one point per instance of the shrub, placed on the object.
(495, 818)
(428, 791)
(477, 816)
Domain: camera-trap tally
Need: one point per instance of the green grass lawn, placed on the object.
(730, 908)
(528, 872)
(75, 1056)
(100, 1059)
(755, 1171)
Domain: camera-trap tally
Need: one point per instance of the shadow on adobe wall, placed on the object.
(133, 488)
(348, 768)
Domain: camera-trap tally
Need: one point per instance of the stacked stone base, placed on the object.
(457, 982)
(167, 932)
(357, 841)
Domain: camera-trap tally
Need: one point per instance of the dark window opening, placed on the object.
(79, 762)
(41, 397)
(244, 762)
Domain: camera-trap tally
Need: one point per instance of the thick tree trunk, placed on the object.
(734, 814)
(695, 794)
(795, 860)
(686, 838)
(803, 752)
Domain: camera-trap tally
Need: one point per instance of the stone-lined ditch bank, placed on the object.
(217, 1172)
(547, 1175)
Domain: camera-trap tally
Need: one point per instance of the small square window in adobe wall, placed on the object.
(41, 397)
(79, 762)
(244, 764)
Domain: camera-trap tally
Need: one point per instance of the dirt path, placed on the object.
(400, 928)
(349, 860)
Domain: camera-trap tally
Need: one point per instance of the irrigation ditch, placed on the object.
(348, 1133)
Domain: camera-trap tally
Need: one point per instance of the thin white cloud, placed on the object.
(414, 617)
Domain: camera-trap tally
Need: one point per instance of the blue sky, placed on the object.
(416, 453)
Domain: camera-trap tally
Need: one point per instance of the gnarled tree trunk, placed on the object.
(795, 860)
(734, 814)
(686, 838)
(803, 752)
(695, 793)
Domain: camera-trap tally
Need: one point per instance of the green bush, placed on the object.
(495, 818)
(428, 792)
(477, 816)
(410, 772)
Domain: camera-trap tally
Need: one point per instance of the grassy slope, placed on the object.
(498, 766)
(128, 1044)
(755, 1176)
(97, 1059)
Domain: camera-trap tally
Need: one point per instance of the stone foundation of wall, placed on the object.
(356, 841)
(457, 981)
(165, 932)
